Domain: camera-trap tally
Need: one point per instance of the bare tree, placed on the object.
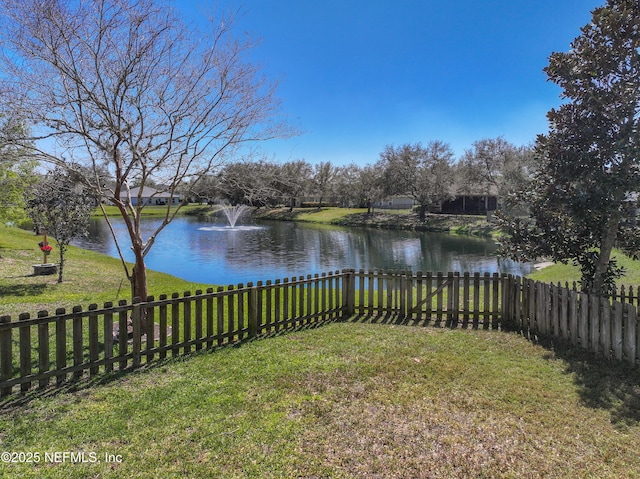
(346, 185)
(127, 87)
(249, 182)
(422, 173)
(294, 178)
(496, 167)
(321, 180)
(371, 181)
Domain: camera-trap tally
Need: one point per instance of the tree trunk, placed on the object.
(139, 283)
(422, 212)
(61, 266)
(604, 256)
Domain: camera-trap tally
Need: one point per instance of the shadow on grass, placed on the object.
(607, 385)
(603, 384)
(82, 386)
(22, 289)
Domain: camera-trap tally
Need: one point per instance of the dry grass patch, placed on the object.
(458, 404)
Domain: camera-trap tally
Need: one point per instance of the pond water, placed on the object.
(211, 253)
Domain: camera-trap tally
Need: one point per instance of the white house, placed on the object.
(395, 203)
(151, 196)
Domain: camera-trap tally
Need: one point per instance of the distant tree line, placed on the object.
(428, 174)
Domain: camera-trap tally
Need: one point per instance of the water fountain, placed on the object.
(232, 213)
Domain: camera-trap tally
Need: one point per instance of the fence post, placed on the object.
(6, 358)
(253, 310)
(618, 320)
(61, 345)
(231, 314)
(630, 332)
(505, 308)
(136, 318)
(466, 307)
(108, 336)
(564, 311)
(78, 346)
(452, 308)
(349, 291)
(123, 334)
(198, 336)
(149, 314)
(594, 322)
(402, 303)
(584, 320)
(44, 361)
(209, 314)
(25, 351)
(220, 316)
(186, 322)
(163, 327)
(240, 314)
(93, 340)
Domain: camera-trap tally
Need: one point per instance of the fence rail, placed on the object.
(72, 344)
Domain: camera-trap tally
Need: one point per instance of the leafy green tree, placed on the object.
(16, 171)
(590, 159)
(424, 174)
(59, 205)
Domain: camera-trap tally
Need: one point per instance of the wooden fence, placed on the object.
(71, 345)
(605, 326)
(623, 294)
(67, 345)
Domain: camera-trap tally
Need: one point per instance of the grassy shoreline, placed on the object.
(386, 219)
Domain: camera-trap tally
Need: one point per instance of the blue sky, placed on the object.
(357, 75)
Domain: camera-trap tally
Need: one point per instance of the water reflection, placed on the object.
(206, 252)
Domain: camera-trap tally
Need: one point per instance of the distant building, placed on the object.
(470, 205)
(151, 196)
(395, 203)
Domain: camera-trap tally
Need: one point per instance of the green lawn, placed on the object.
(89, 277)
(326, 215)
(569, 273)
(345, 400)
